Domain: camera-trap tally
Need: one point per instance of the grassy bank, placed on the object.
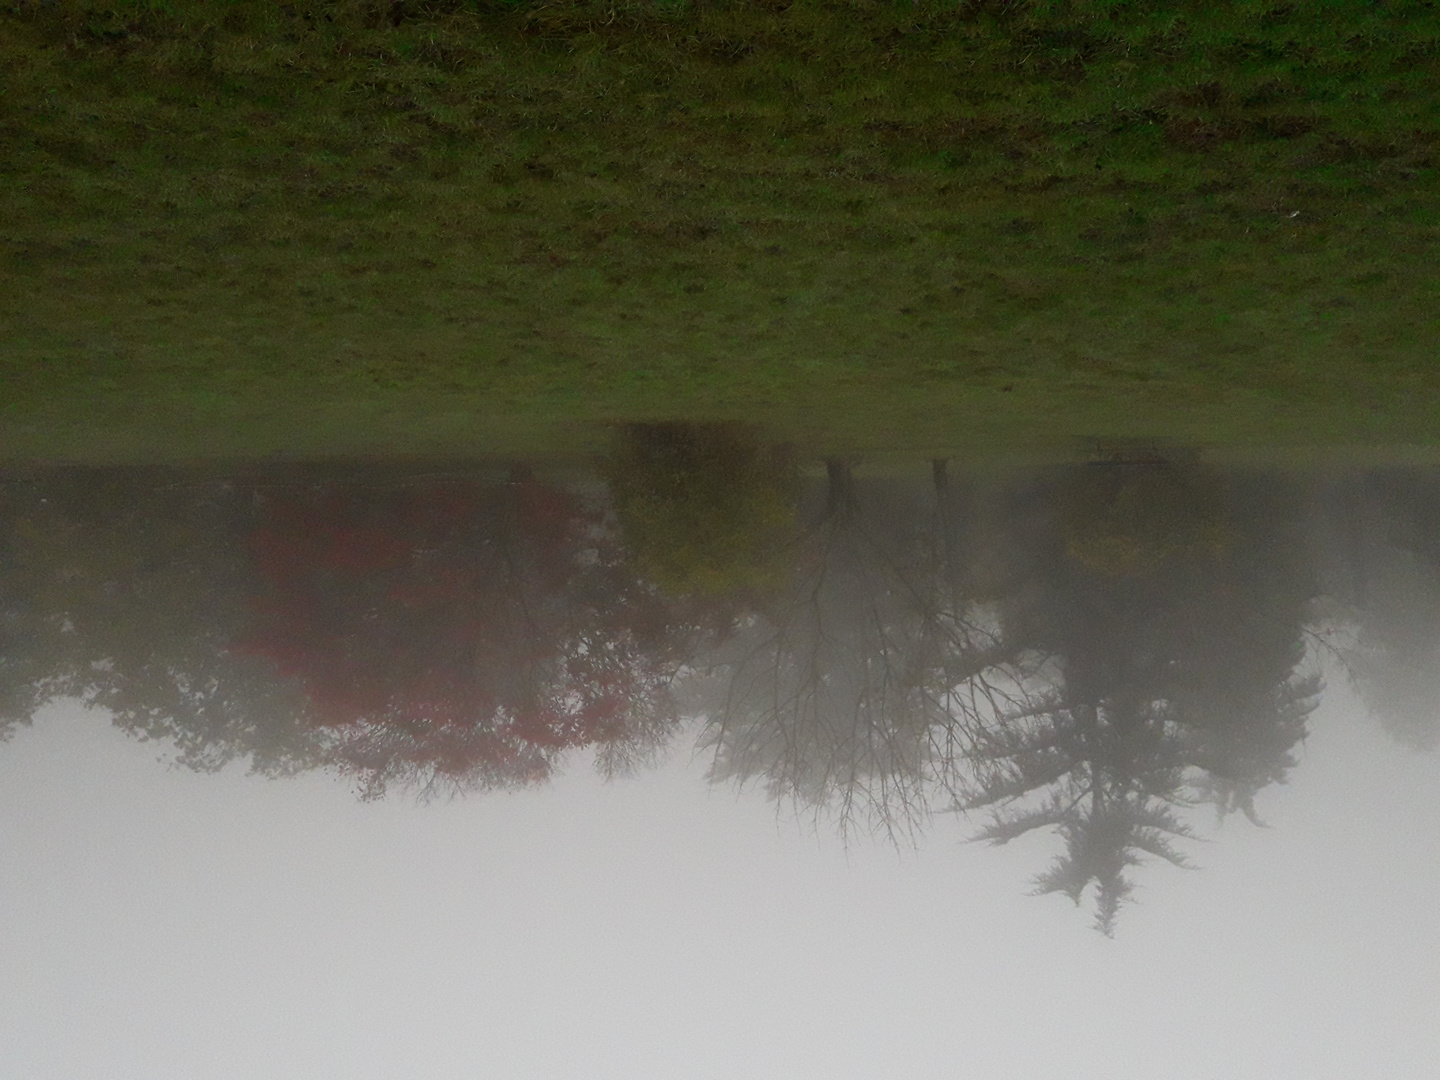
(239, 228)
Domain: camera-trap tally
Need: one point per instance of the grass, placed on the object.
(240, 228)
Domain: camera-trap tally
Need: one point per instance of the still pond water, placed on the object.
(701, 758)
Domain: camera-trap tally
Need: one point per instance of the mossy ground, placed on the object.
(326, 228)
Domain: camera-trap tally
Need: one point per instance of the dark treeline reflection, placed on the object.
(1097, 650)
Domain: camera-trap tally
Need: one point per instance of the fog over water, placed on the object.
(686, 763)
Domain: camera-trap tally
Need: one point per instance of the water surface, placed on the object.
(703, 757)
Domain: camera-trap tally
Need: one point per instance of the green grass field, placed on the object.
(235, 229)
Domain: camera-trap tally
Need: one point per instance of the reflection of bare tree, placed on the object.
(852, 688)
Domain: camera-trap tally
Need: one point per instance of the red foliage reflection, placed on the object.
(461, 632)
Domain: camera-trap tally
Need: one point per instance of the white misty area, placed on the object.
(156, 924)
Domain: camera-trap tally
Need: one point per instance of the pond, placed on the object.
(581, 766)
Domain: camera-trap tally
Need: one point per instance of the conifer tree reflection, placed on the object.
(1165, 611)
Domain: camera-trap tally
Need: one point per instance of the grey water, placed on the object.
(703, 758)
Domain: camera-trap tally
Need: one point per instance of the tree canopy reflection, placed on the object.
(1107, 651)
(461, 634)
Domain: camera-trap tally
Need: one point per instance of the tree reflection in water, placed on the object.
(1096, 650)
(461, 634)
(1164, 611)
